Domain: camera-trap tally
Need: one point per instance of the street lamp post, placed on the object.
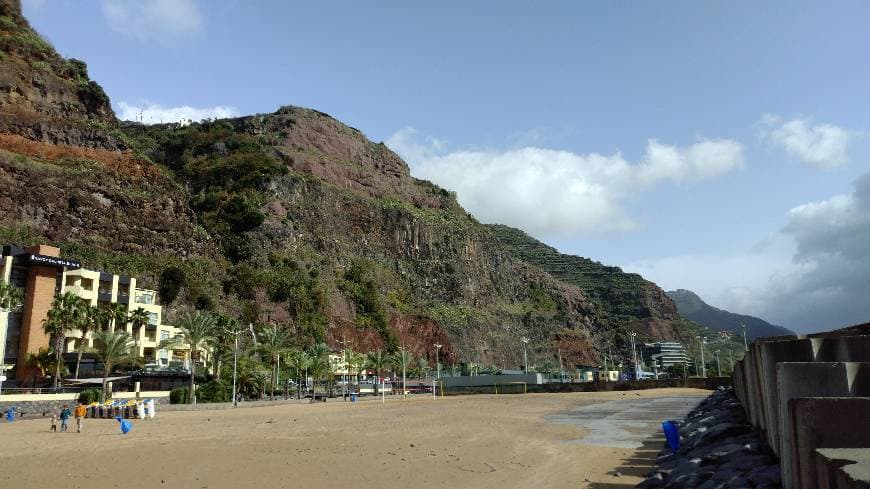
(718, 366)
(235, 366)
(525, 356)
(703, 365)
(745, 344)
(236, 334)
(561, 370)
(343, 342)
(437, 359)
(404, 360)
(632, 335)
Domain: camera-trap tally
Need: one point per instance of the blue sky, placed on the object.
(713, 146)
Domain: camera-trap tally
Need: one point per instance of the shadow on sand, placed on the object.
(638, 464)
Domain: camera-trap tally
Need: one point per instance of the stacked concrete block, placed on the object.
(845, 468)
(806, 393)
(810, 409)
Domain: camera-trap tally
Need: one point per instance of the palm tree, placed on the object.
(43, 361)
(299, 361)
(273, 343)
(88, 321)
(198, 329)
(113, 348)
(138, 319)
(225, 341)
(422, 367)
(104, 317)
(252, 377)
(11, 297)
(359, 361)
(318, 364)
(117, 315)
(377, 361)
(63, 316)
(399, 361)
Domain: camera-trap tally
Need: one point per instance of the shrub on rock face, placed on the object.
(171, 281)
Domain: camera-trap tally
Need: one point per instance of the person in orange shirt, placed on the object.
(80, 413)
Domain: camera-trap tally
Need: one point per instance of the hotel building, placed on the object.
(664, 354)
(42, 274)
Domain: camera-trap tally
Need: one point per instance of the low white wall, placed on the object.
(73, 396)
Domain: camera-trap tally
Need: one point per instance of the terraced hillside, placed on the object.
(621, 300)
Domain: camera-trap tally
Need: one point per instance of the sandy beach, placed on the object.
(500, 442)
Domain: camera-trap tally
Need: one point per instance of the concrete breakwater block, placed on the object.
(814, 380)
(772, 353)
(843, 468)
(825, 422)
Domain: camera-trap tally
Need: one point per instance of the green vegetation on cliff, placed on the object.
(620, 298)
(289, 218)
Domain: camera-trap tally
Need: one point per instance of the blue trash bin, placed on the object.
(672, 435)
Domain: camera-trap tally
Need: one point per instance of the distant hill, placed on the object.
(693, 307)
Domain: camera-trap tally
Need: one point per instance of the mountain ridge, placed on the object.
(693, 307)
(291, 218)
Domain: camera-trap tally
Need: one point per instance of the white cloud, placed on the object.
(156, 114)
(160, 20)
(820, 145)
(550, 192)
(741, 283)
(815, 276)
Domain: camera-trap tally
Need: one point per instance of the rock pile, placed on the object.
(718, 449)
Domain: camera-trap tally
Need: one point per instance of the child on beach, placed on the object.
(53, 422)
(64, 416)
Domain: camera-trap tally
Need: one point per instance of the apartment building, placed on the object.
(43, 274)
(664, 354)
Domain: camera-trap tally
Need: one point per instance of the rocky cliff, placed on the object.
(290, 218)
(621, 301)
(45, 97)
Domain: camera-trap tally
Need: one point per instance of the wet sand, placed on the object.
(483, 441)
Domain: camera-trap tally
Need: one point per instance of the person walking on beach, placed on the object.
(80, 413)
(64, 416)
(53, 422)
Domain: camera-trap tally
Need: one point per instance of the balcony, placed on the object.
(143, 296)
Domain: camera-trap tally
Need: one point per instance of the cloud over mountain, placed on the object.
(156, 114)
(552, 192)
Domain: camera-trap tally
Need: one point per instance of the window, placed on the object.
(164, 335)
(144, 296)
(152, 318)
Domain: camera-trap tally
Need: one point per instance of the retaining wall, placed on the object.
(710, 383)
(39, 405)
(807, 393)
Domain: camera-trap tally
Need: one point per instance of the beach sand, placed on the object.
(483, 441)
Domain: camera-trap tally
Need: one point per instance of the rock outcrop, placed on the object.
(290, 218)
(718, 449)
